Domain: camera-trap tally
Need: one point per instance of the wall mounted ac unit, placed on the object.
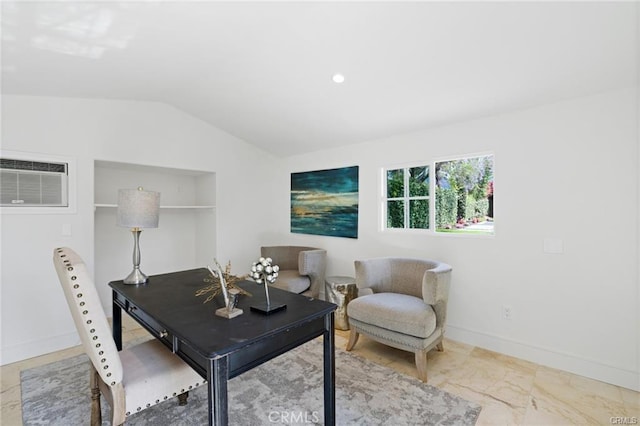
(25, 183)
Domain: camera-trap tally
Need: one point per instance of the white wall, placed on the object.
(565, 171)
(35, 318)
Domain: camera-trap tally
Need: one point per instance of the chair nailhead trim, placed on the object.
(73, 278)
(70, 268)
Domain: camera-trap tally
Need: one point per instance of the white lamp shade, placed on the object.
(138, 208)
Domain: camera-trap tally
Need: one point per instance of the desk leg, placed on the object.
(117, 323)
(217, 377)
(329, 372)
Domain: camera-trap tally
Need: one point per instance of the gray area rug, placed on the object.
(285, 390)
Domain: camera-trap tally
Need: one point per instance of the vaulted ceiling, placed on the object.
(262, 71)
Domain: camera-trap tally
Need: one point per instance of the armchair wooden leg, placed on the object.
(182, 398)
(353, 339)
(96, 414)
(440, 347)
(421, 364)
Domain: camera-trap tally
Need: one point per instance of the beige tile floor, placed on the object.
(511, 391)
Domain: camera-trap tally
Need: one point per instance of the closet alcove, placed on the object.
(186, 234)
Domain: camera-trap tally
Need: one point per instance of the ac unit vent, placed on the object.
(32, 183)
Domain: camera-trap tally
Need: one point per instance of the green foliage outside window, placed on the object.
(446, 206)
(407, 198)
(419, 214)
(419, 181)
(395, 214)
(464, 195)
(395, 189)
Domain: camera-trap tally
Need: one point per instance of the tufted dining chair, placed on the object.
(130, 380)
(302, 269)
(402, 302)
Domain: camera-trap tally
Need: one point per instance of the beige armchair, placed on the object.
(402, 303)
(130, 380)
(302, 269)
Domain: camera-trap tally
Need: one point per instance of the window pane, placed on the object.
(419, 214)
(395, 214)
(395, 183)
(464, 195)
(419, 181)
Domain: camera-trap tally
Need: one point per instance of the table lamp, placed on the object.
(137, 209)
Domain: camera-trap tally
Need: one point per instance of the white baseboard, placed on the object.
(547, 357)
(32, 349)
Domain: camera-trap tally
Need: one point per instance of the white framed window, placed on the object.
(36, 183)
(406, 201)
(458, 200)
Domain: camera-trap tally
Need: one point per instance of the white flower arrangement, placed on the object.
(263, 271)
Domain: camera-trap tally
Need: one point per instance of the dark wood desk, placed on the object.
(219, 348)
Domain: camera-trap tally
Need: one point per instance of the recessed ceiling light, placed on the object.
(338, 78)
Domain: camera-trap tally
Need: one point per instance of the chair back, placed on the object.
(286, 257)
(407, 275)
(88, 315)
(416, 277)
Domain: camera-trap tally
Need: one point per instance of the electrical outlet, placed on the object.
(507, 313)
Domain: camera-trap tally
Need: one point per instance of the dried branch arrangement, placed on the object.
(214, 288)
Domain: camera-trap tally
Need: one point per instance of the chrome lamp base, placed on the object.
(136, 276)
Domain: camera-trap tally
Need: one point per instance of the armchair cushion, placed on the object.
(396, 312)
(291, 280)
(302, 269)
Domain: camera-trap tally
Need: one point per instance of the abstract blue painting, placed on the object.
(325, 202)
